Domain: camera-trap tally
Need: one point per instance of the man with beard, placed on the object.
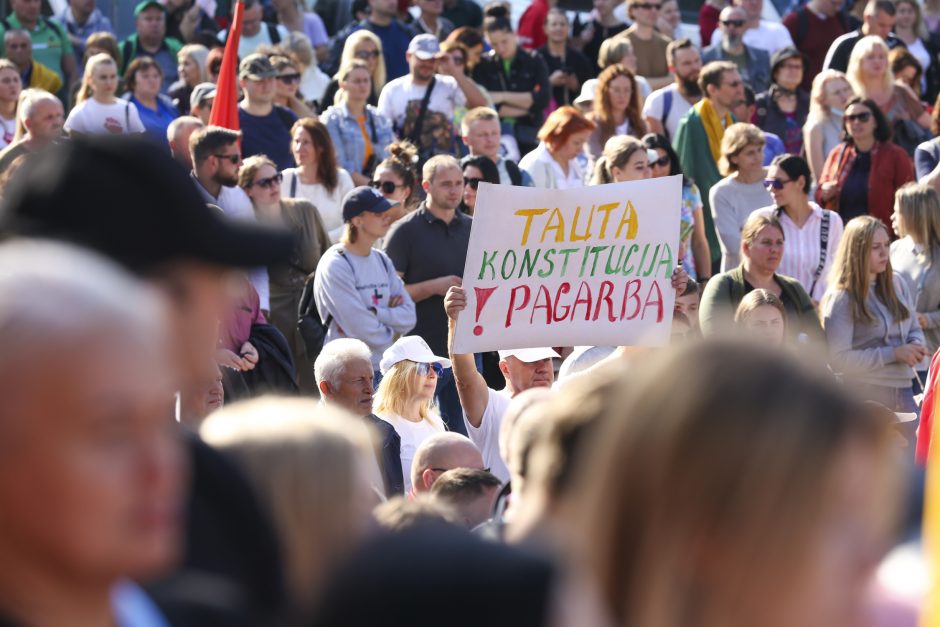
(665, 107)
(753, 63)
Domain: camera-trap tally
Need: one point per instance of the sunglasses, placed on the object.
(662, 162)
(365, 55)
(424, 370)
(860, 117)
(474, 183)
(735, 23)
(647, 5)
(268, 182)
(235, 159)
(289, 79)
(386, 187)
(775, 183)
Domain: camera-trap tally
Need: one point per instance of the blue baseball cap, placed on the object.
(363, 199)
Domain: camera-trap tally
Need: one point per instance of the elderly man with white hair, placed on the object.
(438, 454)
(344, 376)
(91, 474)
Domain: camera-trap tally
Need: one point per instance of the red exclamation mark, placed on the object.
(483, 295)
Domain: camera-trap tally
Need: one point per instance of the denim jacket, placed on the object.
(347, 136)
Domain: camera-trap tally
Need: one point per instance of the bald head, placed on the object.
(439, 453)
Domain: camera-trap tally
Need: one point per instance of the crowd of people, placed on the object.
(258, 414)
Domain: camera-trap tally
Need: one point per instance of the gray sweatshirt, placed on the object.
(355, 292)
(864, 351)
(923, 280)
(732, 203)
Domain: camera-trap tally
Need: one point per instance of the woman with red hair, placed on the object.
(617, 109)
(554, 163)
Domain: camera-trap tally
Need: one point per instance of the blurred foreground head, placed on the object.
(747, 492)
(90, 465)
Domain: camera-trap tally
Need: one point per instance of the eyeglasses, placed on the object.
(860, 117)
(386, 187)
(647, 5)
(268, 182)
(735, 23)
(474, 183)
(235, 159)
(775, 183)
(365, 55)
(424, 370)
(662, 162)
(289, 79)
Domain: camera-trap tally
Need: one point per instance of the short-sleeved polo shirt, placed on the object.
(50, 42)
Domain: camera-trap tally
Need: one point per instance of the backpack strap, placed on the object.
(6, 24)
(823, 248)
(273, 34)
(802, 25)
(515, 175)
(127, 117)
(667, 107)
(293, 188)
(415, 135)
(126, 49)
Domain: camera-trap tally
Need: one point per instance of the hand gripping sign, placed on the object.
(589, 266)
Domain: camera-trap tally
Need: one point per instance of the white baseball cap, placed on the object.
(529, 355)
(410, 348)
(588, 91)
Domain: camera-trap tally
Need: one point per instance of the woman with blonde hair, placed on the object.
(871, 78)
(193, 69)
(554, 163)
(367, 47)
(916, 256)
(287, 88)
(868, 314)
(744, 481)
(617, 108)
(734, 197)
(311, 466)
(823, 129)
(625, 158)
(99, 111)
(405, 396)
(619, 50)
(762, 316)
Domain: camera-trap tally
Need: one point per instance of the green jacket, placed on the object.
(725, 291)
(691, 144)
(129, 49)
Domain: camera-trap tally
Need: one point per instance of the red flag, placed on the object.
(225, 106)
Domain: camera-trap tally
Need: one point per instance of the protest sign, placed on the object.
(589, 266)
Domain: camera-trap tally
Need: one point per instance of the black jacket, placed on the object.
(771, 119)
(274, 372)
(388, 453)
(527, 74)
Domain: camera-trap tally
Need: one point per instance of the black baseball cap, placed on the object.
(362, 199)
(126, 198)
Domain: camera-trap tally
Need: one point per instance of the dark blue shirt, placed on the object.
(395, 39)
(156, 122)
(268, 135)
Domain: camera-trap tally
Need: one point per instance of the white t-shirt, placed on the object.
(412, 434)
(769, 36)
(486, 436)
(9, 130)
(330, 206)
(394, 100)
(653, 107)
(247, 45)
(93, 118)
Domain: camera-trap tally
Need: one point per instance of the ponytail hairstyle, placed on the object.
(403, 161)
(102, 58)
(617, 152)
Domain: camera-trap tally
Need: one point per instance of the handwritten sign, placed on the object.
(589, 266)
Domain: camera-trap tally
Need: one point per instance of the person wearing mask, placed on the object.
(150, 40)
(360, 134)
(365, 46)
(734, 197)
(266, 126)
(287, 88)
(753, 62)
(616, 109)
(870, 319)
(357, 291)
(862, 173)
(42, 116)
(476, 170)
(782, 109)
(878, 20)
(98, 110)
(914, 257)
(517, 82)
(823, 129)
(260, 180)
(255, 31)
(648, 43)
(381, 20)
(554, 163)
(568, 69)
(812, 233)
(760, 33)
(143, 80)
(603, 25)
(762, 248)
(813, 28)
(699, 136)
(396, 178)
(663, 108)
(694, 253)
(762, 318)
(429, 249)
(481, 135)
